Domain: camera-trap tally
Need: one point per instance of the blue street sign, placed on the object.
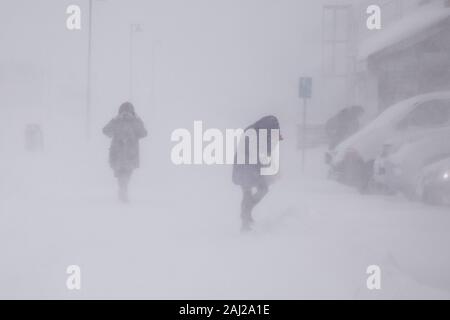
(305, 89)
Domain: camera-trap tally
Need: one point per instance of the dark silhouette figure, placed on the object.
(248, 175)
(34, 138)
(126, 129)
(343, 125)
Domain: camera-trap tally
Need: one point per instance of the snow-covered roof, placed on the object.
(421, 19)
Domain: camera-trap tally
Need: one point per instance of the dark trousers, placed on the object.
(249, 200)
(123, 178)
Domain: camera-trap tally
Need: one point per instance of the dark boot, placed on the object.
(246, 210)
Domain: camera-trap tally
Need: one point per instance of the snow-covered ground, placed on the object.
(179, 238)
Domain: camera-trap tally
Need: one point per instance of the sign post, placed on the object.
(305, 93)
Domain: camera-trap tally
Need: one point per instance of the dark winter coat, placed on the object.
(125, 130)
(249, 175)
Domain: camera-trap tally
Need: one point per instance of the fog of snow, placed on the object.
(227, 65)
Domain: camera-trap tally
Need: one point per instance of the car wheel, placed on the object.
(351, 173)
(360, 174)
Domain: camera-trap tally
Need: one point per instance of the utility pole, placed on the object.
(304, 131)
(155, 45)
(89, 73)
(305, 93)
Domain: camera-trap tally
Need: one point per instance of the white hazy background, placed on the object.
(226, 63)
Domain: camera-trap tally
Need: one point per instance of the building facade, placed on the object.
(409, 55)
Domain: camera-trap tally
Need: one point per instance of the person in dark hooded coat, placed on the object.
(248, 175)
(125, 130)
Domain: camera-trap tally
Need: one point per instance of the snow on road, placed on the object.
(179, 238)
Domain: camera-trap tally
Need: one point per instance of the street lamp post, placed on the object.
(155, 45)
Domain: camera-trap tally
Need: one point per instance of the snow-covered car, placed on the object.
(434, 183)
(398, 168)
(352, 161)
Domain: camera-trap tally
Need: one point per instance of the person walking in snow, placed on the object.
(248, 175)
(125, 130)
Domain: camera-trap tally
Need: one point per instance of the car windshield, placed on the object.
(429, 114)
